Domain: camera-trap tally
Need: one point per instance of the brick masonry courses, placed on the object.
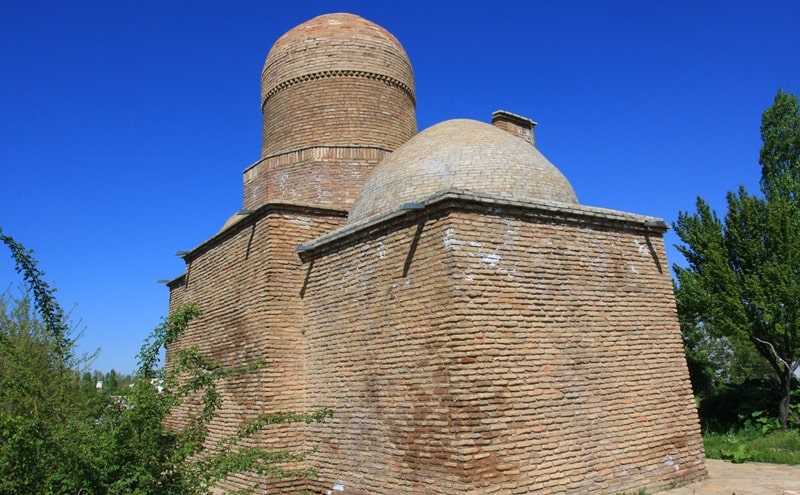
(461, 154)
(247, 281)
(329, 177)
(474, 353)
(338, 111)
(473, 328)
(334, 106)
(462, 352)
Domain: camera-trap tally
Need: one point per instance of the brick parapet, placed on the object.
(250, 219)
(455, 198)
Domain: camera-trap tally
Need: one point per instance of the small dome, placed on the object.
(332, 69)
(466, 155)
(332, 42)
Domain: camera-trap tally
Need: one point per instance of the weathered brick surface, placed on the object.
(337, 97)
(491, 336)
(474, 353)
(461, 154)
(337, 80)
(337, 111)
(335, 42)
(329, 177)
(516, 125)
(246, 281)
(462, 352)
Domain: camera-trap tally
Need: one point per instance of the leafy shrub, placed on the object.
(59, 435)
(733, 405)
(751, 445)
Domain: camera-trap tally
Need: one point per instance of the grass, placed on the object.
(751, 445)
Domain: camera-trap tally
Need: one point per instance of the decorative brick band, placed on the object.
(328, 152)
(367, 154)
(391, 81)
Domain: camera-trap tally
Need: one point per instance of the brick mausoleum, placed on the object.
(473, 327)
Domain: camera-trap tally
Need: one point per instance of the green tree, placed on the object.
(163, 461)
(59, 434)
(53, 317)
(743, 276)
(43, 404)
(110, 382)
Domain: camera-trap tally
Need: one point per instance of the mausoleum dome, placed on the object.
(337, 80)
(465, 155)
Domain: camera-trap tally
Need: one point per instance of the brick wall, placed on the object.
(246, 281)
(329, 177)
(337, 80)
(338, 111)
(373, 357)
(499, 354)
(480, 345)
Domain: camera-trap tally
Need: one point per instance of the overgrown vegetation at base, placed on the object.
(740, 424)
(752, 445)
(733, 407)
(61, 435)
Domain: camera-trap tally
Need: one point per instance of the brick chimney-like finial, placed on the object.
(514, 124)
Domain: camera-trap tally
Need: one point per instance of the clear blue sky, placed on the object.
(125, 126)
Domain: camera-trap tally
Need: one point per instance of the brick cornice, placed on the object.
(257, 214)
(391, 81)
(468, 201)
